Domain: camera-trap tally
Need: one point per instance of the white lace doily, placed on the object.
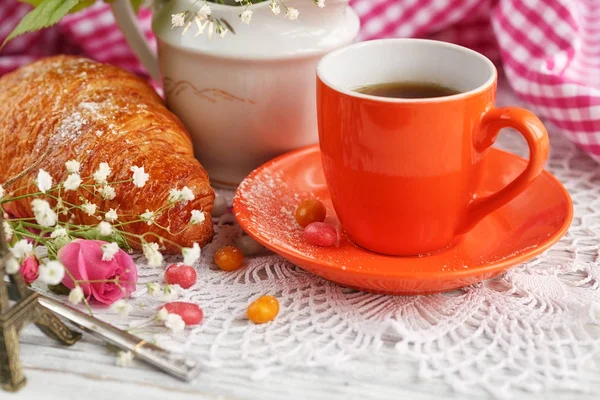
(533, 329)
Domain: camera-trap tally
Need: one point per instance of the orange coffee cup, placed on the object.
(403, 173)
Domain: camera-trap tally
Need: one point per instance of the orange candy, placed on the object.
(310, 211)
(229, 258)
(262, 310)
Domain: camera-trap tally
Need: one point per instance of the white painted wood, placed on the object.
(87, 371)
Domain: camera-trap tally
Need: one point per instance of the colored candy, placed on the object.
(320, 234)
(180, 274)
(189, 312)
(219, 207)
(263, 310)
(229, 258)
(310, 211)
(248, 246)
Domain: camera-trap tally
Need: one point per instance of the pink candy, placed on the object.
(320, 234)
(189, 312)
(182, 275)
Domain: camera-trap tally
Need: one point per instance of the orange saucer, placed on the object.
(266, 201)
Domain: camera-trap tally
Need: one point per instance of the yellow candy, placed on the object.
(263, 310)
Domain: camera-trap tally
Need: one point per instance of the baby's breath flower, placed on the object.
(162, 314)
(102, 173)
(175, 323)
(153, 289)
(72, 182)
(44, 215)
(12, 266)
(204, 12)
(197, 217)
(58, 232)
(8, 232)
(124, 359)
(178, 20)
(89, 208)
(105, 228)
(174, 195)
(1, 192)
(246, 16)
(292, 13)
(148, 217)
(107, 192)
(221, 31)
(52, 272)
(111, 215)
(44, 181)
(172, 292)
(275, 9)
(22, 249)
(320, 3)
(154, 257)
(73, 166)
(140, 177)
(191, 255)
(121, 307)
(76, 295)
(187, 194)
(109, 250)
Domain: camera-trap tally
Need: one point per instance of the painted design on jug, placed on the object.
(175, 88)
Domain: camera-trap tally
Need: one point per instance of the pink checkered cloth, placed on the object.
(548, 49)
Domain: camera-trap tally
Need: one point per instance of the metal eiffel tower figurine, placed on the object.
(13, 317)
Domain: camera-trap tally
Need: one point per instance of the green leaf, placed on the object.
(46, 14)
(80, 6)
(34, 3)
(59, 289)
(136, 4)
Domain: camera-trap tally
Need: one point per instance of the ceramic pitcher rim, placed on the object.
(493, 73)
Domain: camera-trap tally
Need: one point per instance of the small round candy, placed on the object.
(263, 310)
(189, 312)
(310, 211)
(219, 207)
(248, 246)
(320, 234)
(229, 258)
(180, 274)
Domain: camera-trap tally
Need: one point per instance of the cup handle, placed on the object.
(536, 136)
(127, 22)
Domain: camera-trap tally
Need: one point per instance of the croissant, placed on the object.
(66, 108)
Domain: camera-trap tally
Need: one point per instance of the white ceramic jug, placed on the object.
(249, 96)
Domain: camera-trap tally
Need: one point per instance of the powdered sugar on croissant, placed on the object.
(70, 108)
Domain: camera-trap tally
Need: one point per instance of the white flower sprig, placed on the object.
(52, 272)
(44, 181)
(204, 19)
(38, 239)
(76, 295)
(46, 230)
(102, 173)
(140, 177)
(44, 214)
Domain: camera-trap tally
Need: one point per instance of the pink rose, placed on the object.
(83, 260)
(29, 269)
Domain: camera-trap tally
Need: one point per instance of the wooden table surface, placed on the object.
(87, 371)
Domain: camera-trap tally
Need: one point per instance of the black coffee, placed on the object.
(408, 90)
